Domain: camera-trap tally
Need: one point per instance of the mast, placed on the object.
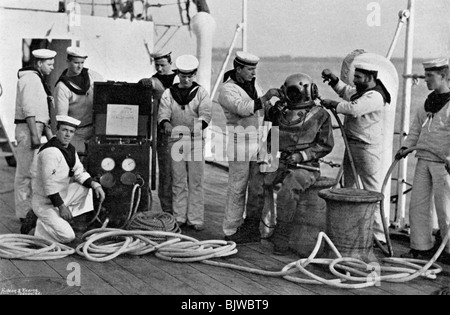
(244, 23)
(406, 113)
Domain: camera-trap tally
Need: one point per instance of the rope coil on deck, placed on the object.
(105, 244)
(27, 247)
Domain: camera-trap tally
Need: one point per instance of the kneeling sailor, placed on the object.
(61, 187)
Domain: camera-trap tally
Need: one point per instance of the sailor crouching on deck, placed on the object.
(305, 135)
(61, 188)
(431, 129)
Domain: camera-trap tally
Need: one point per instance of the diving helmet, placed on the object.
(300, 91)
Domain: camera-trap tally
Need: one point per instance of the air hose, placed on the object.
(355, 174)
(383, 191)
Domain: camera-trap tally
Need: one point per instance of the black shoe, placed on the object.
(247, 233)
(29, 223)
(243, 237)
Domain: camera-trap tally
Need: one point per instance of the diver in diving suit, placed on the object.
(305, 135)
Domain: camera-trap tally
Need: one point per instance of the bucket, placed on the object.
(310, 218)
(350, 221)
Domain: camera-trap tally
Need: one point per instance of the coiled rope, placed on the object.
(27, 247)
(105, 244)
(176, 247)
(147, 221)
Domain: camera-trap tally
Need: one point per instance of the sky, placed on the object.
(325, 28)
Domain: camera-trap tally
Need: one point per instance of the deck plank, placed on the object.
(276, 284)
(150, 276)
(91, 283)
(121, 279)
(8, 270)
(235, 280)
(186, 273)
(156, 278)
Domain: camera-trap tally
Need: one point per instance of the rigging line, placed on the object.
(170, 38)
(162, 36)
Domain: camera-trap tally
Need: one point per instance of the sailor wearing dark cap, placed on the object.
(430, 130)
(61, 187)
(32, 119)
(242, 101)
(186, 109)
(363, 107)
(163, 79)
(74, 95)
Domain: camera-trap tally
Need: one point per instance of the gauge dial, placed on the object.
(108, 164)
(128, 165)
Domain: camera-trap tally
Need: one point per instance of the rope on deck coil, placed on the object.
(184, 249)
(148, 221)
(176, 248)
(27, 247)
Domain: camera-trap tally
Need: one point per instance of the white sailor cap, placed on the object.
(246, 59)
(436, 64)
(67, 120)
(366, 67)
(161, 54)
(187, 64)
(44, 54)
(76, 52)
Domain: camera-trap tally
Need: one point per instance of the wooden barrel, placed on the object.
(310, 218)
(350, 220)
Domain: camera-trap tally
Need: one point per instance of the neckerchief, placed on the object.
(79, 84)
(69, 153)
(45, 85)
(247, 86)
(166, 79)
(184, 96)
(378, 88)
(435, 102)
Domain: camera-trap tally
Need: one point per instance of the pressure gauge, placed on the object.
(108, 164)
(128, 165)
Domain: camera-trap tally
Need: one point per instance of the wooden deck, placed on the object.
(150, 276)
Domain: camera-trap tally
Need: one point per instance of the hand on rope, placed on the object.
(27, 247)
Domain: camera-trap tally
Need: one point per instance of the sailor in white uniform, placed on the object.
(242, 100)
(32, 119)
(61, 188)
(430, 133)
(363, 107)
(74, 95)
(184, 112)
